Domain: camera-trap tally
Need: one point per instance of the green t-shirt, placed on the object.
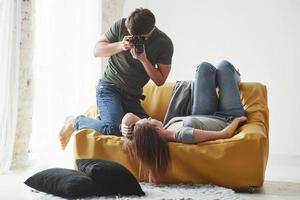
(128, 73)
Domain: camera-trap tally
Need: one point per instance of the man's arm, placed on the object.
(158, 75)
(104, 48)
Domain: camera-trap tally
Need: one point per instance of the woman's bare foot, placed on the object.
(66, 131)
(229, 130)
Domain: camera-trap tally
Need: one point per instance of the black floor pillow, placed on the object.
(65, 183)
(112, 177)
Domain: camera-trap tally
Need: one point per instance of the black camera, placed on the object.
(138, 42)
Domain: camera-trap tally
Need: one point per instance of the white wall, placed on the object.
(261, 38)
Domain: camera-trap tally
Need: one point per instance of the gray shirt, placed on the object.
(128, 73)
(184, 134)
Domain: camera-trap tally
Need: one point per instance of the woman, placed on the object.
(214, 116)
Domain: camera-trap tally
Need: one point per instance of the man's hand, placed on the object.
(126, 44)
(139, 56)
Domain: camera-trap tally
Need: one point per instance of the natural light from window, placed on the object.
(65, 72)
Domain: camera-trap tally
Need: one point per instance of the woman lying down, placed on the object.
(214, 116)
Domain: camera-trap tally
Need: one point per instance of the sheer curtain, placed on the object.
(65, 71)
(9, 55)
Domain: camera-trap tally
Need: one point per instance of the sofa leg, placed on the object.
(250, 189)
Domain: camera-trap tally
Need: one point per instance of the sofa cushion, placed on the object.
(61, 182)
(111, 176)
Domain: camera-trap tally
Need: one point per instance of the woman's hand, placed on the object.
(126, 129)
(128, 123)
(230, 130)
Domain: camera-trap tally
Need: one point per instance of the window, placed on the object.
(65, 71)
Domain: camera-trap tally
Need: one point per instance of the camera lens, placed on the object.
(139, 48)
(138, 42)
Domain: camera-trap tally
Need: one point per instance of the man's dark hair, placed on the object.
(140, 21)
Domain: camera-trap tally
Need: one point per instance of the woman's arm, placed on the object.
(227, 132)
(128, 121)
(202, 135)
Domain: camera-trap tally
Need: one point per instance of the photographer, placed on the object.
(137, 51)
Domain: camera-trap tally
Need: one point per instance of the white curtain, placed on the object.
(65, 71)
(9, 56)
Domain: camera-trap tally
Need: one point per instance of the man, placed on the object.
(138, 51)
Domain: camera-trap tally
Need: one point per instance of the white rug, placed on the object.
(165, 192)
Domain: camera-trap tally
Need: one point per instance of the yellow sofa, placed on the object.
(238, 162)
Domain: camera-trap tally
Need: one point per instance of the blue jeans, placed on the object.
(228, 104)
(112, 103)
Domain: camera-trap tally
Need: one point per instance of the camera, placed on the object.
(138, 42)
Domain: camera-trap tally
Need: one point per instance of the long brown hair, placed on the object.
(149, 149)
